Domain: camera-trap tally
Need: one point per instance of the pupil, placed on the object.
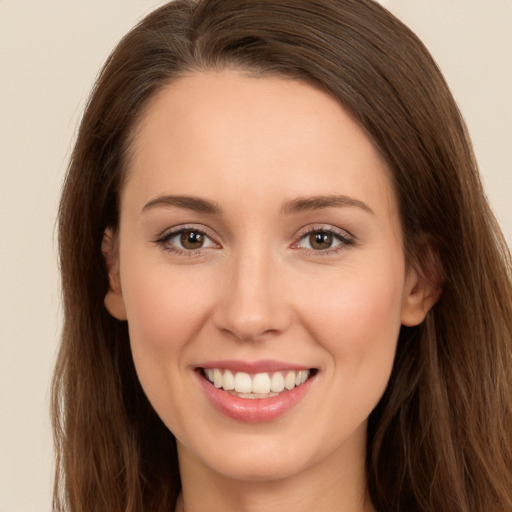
(192, 240)
(321, 240)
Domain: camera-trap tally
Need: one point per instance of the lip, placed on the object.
(252, 367)
(257, 410)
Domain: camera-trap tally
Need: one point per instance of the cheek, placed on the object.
(356, 318)
(164, 305)
(153, 311)
(165, 311)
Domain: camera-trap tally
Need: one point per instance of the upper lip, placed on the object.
(261, 366)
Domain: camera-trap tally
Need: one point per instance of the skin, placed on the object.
(258, 289)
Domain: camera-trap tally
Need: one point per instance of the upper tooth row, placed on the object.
(260, 383)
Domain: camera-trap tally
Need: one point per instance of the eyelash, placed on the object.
(344, 240)
(164, 240)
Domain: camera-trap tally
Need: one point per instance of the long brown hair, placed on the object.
(441, 437)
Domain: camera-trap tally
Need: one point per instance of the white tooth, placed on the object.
(243, 383)
(289, 381)
(228, 381)
(277, 382)
(298, 377)
(209, 374)
(217, 378)
(261, 383)
(304, 376)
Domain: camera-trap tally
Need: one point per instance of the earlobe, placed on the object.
(115, 305)
(114, 302)
(420, 295)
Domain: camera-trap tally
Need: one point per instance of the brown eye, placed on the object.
(321, 240)
(190, 239)
(326, 240)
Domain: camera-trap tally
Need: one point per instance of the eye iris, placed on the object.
(191, 240)
(320, 240)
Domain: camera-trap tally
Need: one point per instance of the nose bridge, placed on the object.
(252, 303)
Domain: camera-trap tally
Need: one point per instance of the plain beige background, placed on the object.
(50, 52)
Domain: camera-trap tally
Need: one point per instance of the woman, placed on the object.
(283, 286)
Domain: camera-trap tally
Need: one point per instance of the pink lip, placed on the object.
(264, 365)
(257, 410)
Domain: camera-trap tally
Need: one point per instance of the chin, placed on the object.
(260, 469)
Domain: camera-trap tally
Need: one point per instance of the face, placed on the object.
(260, 267)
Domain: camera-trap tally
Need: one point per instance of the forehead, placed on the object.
(255, 134)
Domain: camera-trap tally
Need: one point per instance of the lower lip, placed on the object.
(254, 410)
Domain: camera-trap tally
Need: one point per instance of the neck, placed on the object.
(337, 483)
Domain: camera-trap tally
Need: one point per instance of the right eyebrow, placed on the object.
(188, 202)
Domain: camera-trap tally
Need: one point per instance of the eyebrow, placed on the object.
(289, 208)
(318, 202)
(190, 203)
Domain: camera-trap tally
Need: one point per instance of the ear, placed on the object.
(114, 297)
(423, 286)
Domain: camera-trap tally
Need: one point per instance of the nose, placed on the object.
(252, 303)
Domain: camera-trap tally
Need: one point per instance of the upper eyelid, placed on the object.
(343, 233)
(175, 230)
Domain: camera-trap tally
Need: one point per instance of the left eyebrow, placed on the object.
(318, 202)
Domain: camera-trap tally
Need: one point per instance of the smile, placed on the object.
(259, 385)
(245, 392)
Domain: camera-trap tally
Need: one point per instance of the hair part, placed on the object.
(441, 436)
